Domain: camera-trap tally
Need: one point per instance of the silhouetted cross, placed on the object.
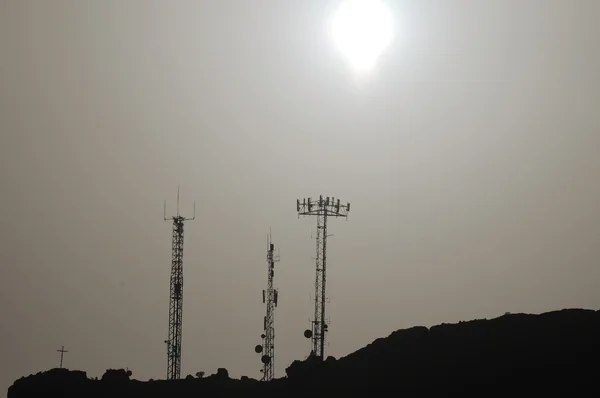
(62, 353)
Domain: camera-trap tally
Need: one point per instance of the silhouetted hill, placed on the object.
(513, 355)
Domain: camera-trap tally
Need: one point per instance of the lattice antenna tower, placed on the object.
(176, 293)
(270, 298)
(322, 208)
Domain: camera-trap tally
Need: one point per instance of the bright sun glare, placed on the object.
(362, 29)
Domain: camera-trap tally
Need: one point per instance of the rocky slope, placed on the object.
(518, 355)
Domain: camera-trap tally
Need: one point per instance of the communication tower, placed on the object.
(322, 208)
(176, 294)
(270, 298)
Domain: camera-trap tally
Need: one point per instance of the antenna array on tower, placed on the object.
(176, 294)
(322, 208)
(270, 298)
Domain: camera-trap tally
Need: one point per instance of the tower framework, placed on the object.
(176, 295)
(270, 298)
(322, 208)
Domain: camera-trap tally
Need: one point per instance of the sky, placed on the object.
(470, 156)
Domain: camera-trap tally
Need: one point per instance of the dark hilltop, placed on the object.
(555, 353)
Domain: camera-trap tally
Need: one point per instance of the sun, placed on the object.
(362, 29)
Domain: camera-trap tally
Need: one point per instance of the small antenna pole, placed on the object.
(177, 200)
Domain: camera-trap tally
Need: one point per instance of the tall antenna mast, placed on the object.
(176, 294)
(62, 354)
(321, 208)
(270, 298)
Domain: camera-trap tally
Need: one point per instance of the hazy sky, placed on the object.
(470, 157)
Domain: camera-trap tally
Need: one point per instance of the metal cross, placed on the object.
(62, 353)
